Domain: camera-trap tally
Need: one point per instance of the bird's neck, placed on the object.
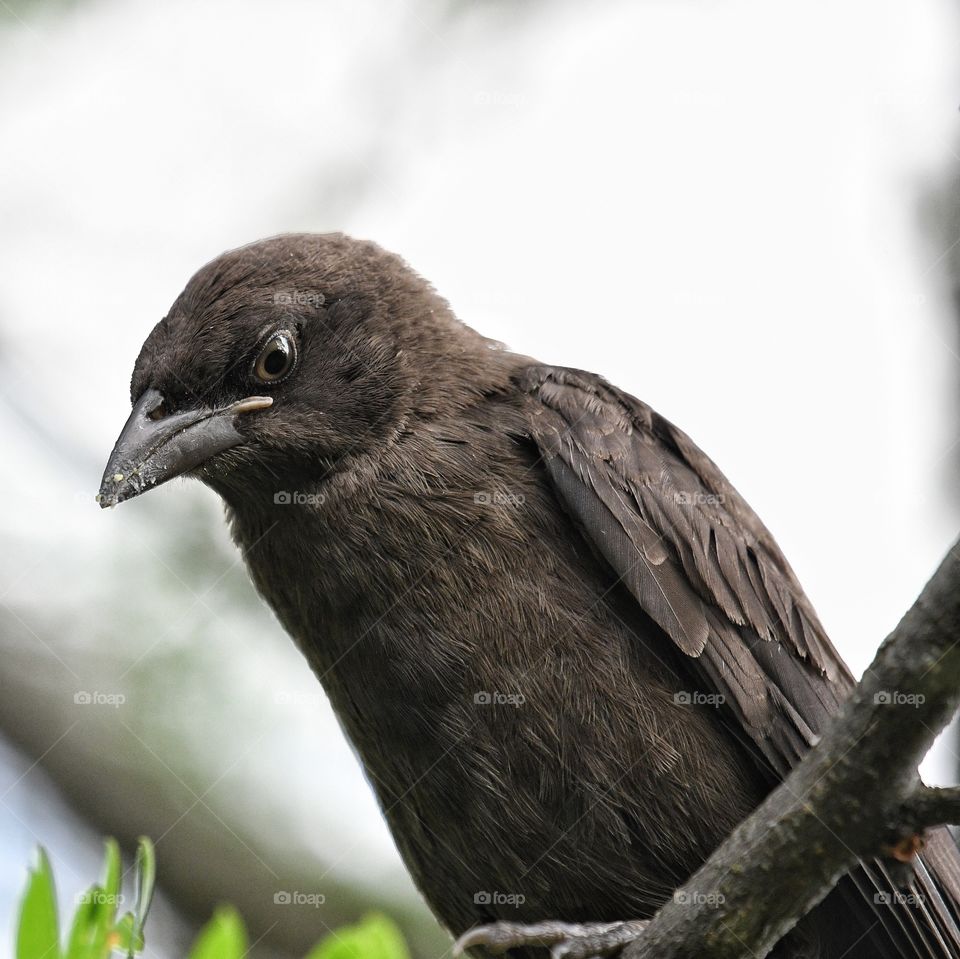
(375, 578)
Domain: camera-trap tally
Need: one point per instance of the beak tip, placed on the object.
(150, 451)
(107, 496)
(114, 489)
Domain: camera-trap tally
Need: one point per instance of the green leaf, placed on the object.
(38, 936)
(123, 936)
(374, 937)
(93, 922)
(111, 869)
(223, 937)
(146, 880)
(83, 929)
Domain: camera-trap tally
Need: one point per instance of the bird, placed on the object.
(569, 655)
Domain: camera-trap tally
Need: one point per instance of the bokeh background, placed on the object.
(745, 213)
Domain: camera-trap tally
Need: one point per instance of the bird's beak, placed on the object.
(152, 449)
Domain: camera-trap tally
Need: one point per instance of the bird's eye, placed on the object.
(276, 359)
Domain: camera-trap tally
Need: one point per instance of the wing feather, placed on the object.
(709, 574)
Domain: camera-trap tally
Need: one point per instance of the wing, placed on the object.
(709, 574)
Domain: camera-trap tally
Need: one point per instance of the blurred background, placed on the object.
(745, 213)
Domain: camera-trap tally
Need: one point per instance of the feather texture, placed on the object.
(706, 570)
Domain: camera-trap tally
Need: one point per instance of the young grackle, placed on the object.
(570, 656)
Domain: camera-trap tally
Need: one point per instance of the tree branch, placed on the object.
(933, 806)
(856, 795)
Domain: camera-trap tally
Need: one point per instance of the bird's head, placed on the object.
(282, 358)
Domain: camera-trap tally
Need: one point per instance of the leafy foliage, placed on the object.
(375, 937)
(223, 937)
(98, 932)
(38, 934)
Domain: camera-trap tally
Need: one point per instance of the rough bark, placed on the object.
(856, 795)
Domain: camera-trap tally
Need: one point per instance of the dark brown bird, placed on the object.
(570, 656)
